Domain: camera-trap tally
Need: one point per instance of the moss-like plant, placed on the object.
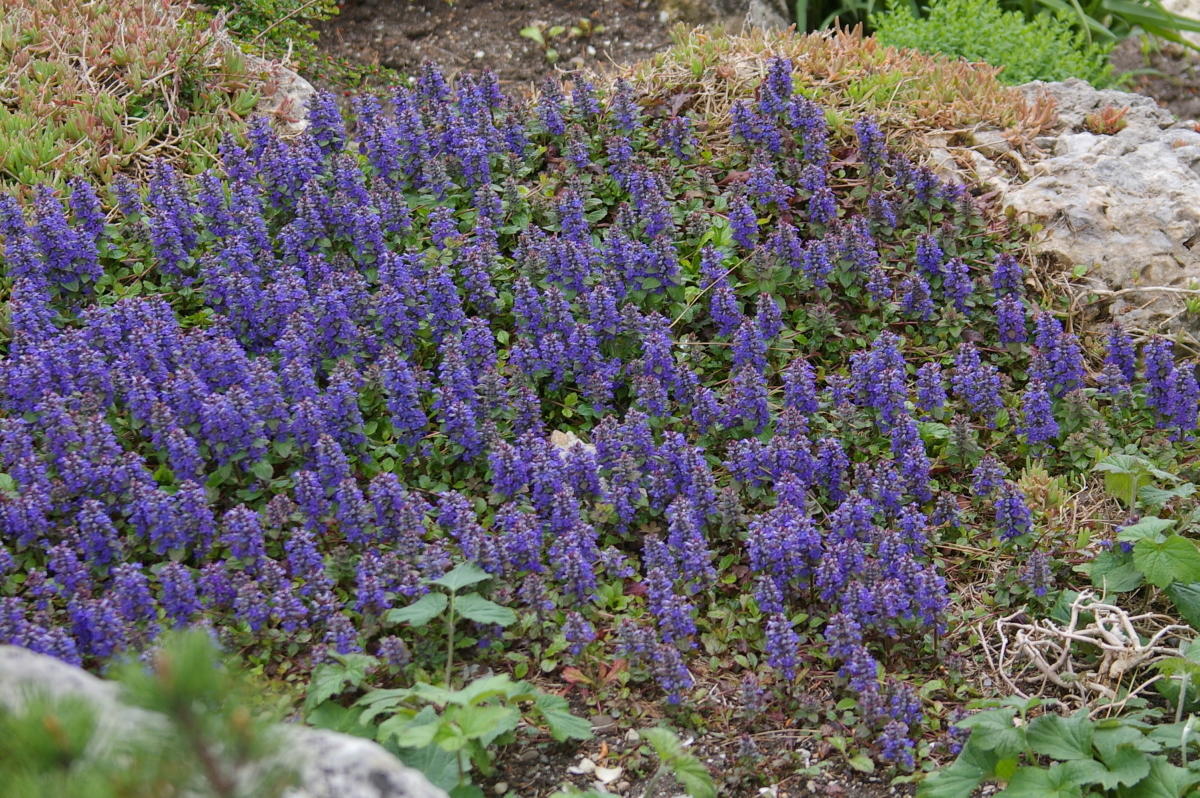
(1042, 48)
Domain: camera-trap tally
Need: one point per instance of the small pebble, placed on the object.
(500, 788)
(632, 737)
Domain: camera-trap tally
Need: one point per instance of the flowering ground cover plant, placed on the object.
(701, 419)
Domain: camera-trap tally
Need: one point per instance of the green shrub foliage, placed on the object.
(1043, 47)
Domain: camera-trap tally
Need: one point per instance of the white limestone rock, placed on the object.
(1125, 206)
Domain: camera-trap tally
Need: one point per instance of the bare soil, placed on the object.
(486, 34)
(1168, 73)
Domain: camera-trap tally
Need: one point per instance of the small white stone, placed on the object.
(500, 788)
(632, 737)
(608, 775)
(479, 54)
(585, 766)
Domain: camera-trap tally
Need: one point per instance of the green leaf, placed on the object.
(1187, 601)
(413, 734)
(1109, 741)
(688, 770)
(862, 763)
(1148, 527)
(1164, 781)
(1061, 738)
(993, 730)
(485, 723)
(1114, 572)
(335, 717)
(960, 779)
(475, 607)
(487, 687)
(1174, 559)
(263, 470)
(421, 611)
(1055, 781)
(466, 791)
(332, 678)
(1126, 765)
(462, 576)
(440, 767)
(534, 33)
(1153, 496)
(557, 714)
(1171, 734)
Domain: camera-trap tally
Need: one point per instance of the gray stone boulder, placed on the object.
(284, 96)
(1124, 205)
(330, 765)
(733, 14)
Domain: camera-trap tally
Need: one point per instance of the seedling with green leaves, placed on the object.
(454, 604)
(687, 769)
(446, 733)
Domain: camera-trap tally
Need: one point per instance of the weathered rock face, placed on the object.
(330, 765)
(771, 14)
(1125, 205)
(283, 95)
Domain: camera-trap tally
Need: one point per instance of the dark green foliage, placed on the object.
(1052, 756)
(1101, 20)
(1043, 47)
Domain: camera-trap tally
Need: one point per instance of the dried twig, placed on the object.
(1025, 655)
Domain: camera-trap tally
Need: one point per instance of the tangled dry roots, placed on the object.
(1096, 658)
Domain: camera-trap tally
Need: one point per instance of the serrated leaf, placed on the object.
(1125, 765)
(485, 723)
(1148, 527)
(412, 734)
(1109, 741)
(696, 780)
(993, 730)
(475, 607)
(1164, 781)
(461, 576)
(961, 778)
(1154, 496)
(687, 769)
(1187, 601)
(557, 713)
(1115, 572)
(1055, 781)
(332, 678)
(335, 717)
(440, 767)
(1171, 734)
(1174, 559)
(421, 611)
(1061, 738)
(482, 689)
